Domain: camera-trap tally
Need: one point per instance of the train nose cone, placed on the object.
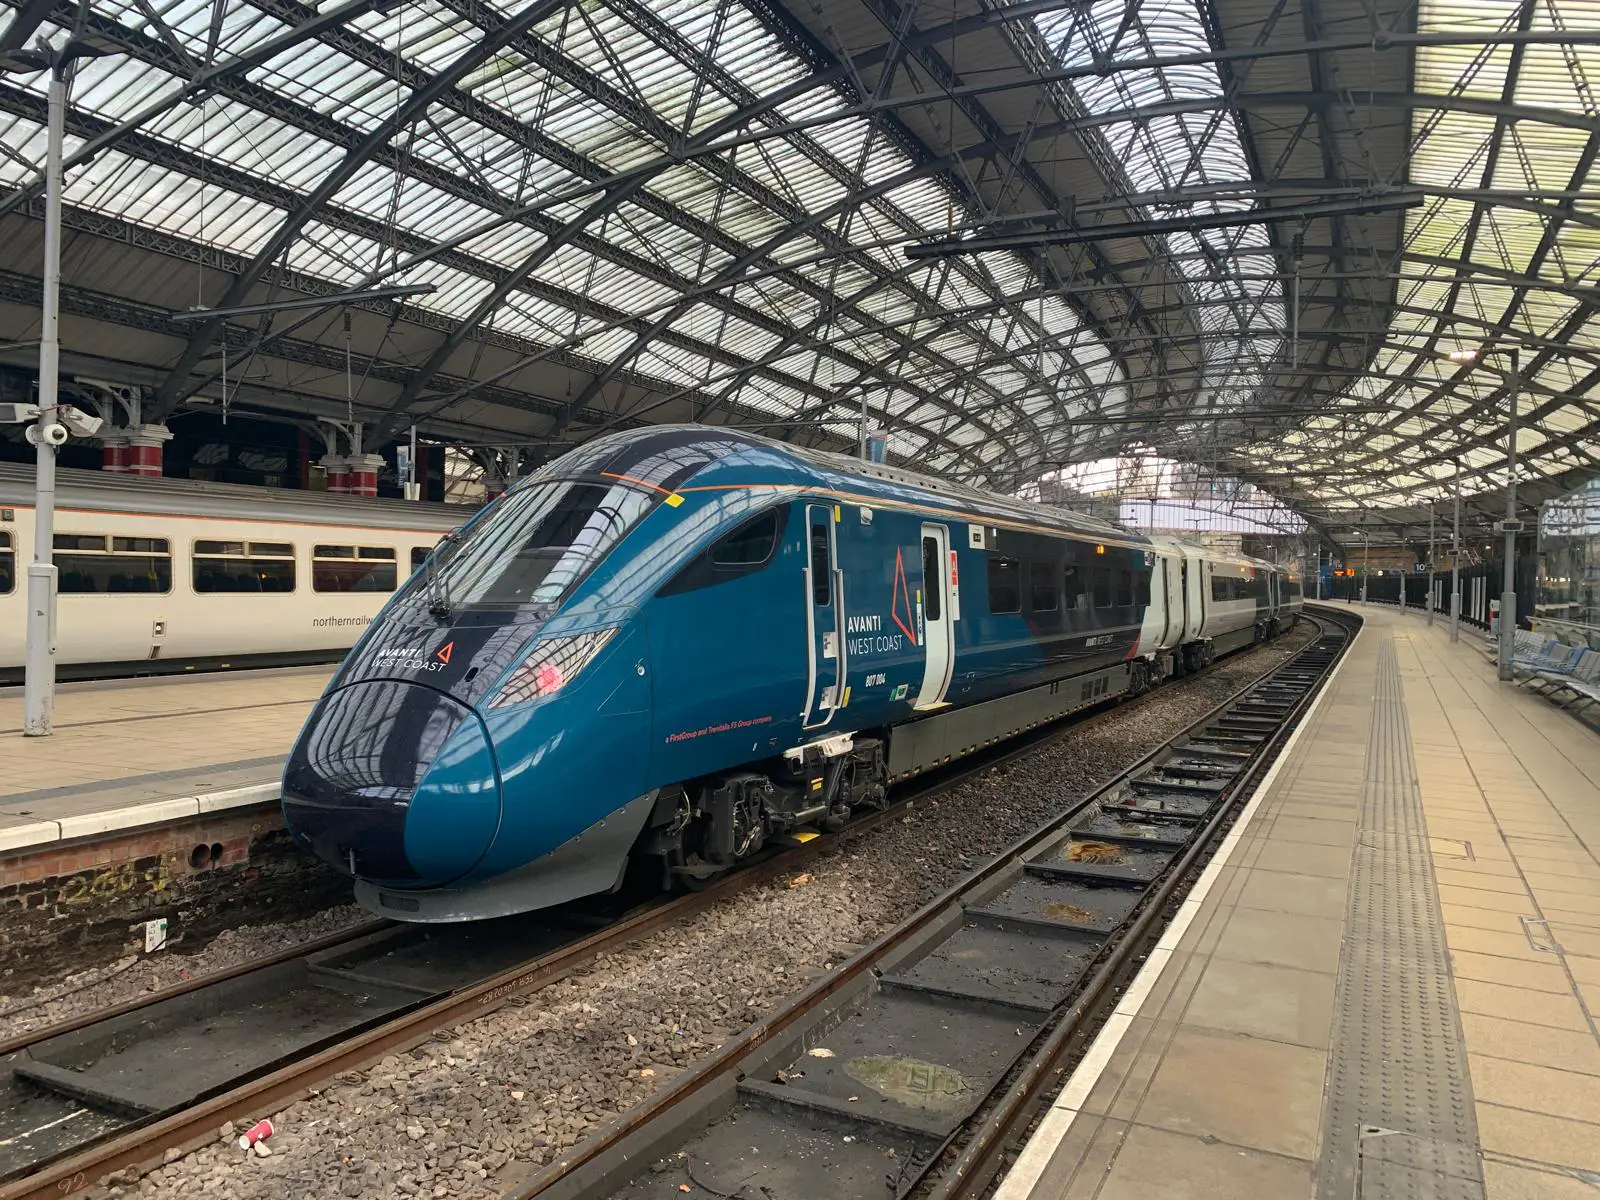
(395, 783)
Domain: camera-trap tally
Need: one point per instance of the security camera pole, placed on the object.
(48, 432)
(39, 680)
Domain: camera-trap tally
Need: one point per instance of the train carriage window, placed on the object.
(94, 563)
(1141, 588)
(1125, 588)
(821, 567)
(419, 555)
(1075, 587)
(353, 569)
(242, 567)
(1102, 586)
(8, 563)
(742, 551)
(80, 541)
(1042, 596)
(1005, 585)
(1234, 587)
(932, 580)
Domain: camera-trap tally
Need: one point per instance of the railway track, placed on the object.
(118, 1087)
(911, 1068)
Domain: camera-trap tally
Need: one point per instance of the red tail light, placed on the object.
(550, 666)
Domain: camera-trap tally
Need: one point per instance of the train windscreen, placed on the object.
(535, 548)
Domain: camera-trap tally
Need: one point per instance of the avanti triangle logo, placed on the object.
(902, 596)
(443, 652)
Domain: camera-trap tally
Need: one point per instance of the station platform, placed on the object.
(132, 753)
(1386, 983)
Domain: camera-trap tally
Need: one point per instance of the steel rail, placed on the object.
(194, 1126)
(980, 1159)
(594, 1164)
(198, 1124)
(328, 941)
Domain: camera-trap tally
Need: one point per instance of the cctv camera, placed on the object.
(15, 414)
(54, 435)
(78, 421)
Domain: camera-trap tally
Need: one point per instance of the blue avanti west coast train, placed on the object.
(680, 645)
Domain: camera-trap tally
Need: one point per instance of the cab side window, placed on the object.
(743, 550)
(750, 545)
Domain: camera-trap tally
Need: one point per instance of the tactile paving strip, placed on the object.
(1397, 1120)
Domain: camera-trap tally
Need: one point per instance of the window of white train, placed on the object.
(8, 563)
(96, 563)
(353, 569)
(226, 566)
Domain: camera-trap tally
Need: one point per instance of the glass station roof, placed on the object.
(1244, 241)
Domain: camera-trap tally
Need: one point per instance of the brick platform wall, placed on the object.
(66, 907)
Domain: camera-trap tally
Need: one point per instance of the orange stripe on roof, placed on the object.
(656, 487)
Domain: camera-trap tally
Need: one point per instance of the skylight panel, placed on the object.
(442, 39)
(1454, 151)
(419, 207)
(747, 51)
(768, 396)
(153, 196)
(189, 21)
(795, 178)
(1475, 71)
(669, 362)
(1440, 229)
(577, 270)
(117, 86)
(605, 138)
(333, 84)
(704, 322)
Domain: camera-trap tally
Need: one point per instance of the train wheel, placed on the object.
(692, 873)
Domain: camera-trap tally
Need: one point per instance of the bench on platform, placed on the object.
(1568, 676)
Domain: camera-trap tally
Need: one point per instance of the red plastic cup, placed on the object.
(259, 1132)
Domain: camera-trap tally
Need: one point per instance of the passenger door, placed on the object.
(1172, 593)
(938, 624)
(825, 666)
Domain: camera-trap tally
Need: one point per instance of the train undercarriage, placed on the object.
(702, 829)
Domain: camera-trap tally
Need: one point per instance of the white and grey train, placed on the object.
(165, 574)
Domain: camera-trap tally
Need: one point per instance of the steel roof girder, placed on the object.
(176, 159)
(730, 273)
(312, 121)
(554, 58)
(336, 178)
